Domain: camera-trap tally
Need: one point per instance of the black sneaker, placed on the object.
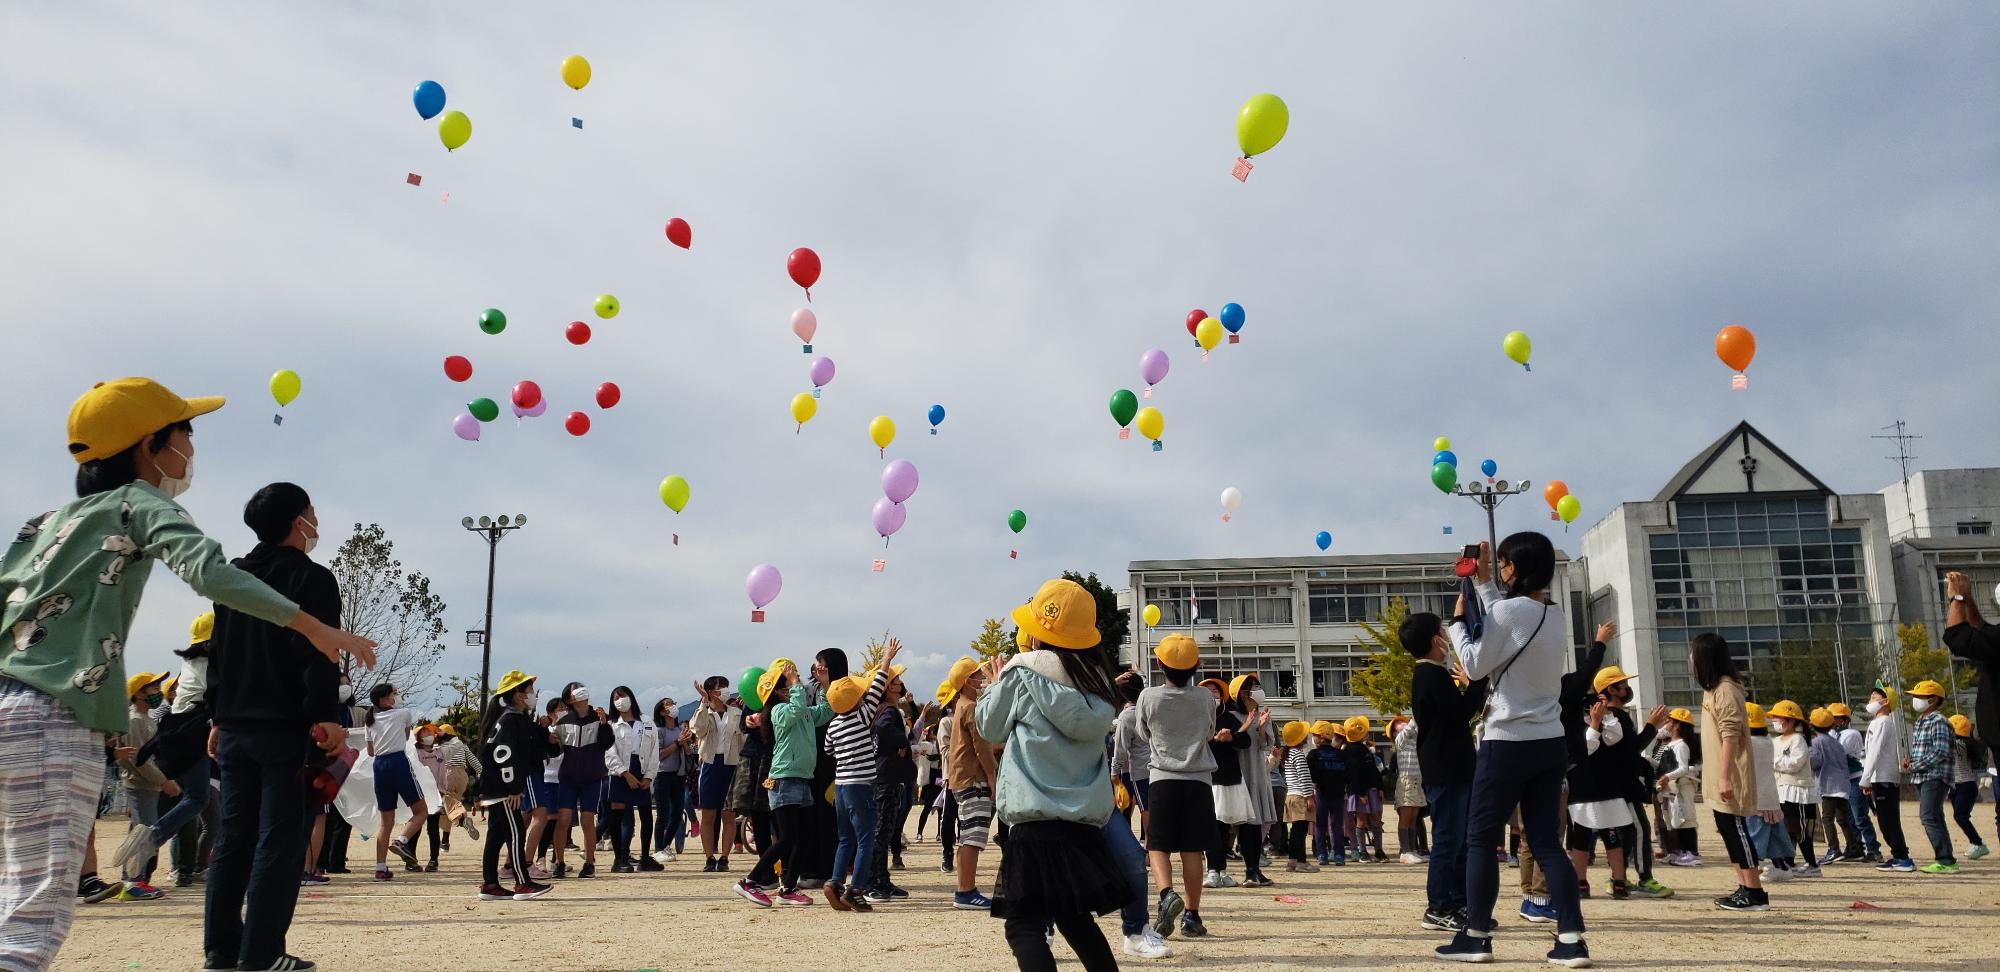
(898, 892)
(624, 867)
(589, 870)
(709, 867)
(897, 864)
(1620, 890)
(722, 863)
(1744, 899)
(1171, 908)
(1583, 890)
(1191, 926)
(1466, 948)
(561, 870)
(218, 962)
(648, 864)
(94, 889)
(283, 963)
(1575, 955)
(1442, 921)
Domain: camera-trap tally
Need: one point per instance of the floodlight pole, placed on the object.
(1489, 496)
(492, 530)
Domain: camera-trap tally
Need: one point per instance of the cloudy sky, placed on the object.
(1012, 204)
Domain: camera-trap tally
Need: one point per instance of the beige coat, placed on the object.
(1723, 717)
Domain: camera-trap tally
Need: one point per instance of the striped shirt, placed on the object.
(851, 736)
(458, 755)
(1298, 775)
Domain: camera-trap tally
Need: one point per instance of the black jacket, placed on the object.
(585, 740)
(1981, 645)
(1229, 769)
(1444, 724)
(264, 678)
(1363, 774)
(511, 755)
(1609, 773)
(1576, 699)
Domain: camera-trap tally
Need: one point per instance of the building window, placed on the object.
(1344, 603)
(1276, 666)
(1333, 670)
(1975, 528)
(1211, 604)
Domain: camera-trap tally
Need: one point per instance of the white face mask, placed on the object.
(1920, 704)
(312, 541)
(347, 693)
(1257, 696)
(581, 695)
(622, 704)
(174, 487)
(1874, 707)
(423, 740)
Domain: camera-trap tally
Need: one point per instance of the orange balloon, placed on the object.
(1554, 492)
(1735, 345)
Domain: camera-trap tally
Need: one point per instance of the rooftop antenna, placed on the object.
(1903, 437)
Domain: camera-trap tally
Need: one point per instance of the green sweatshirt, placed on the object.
(795, 752)
(71, 582)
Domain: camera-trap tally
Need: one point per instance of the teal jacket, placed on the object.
(1053, 766)
(794, 723)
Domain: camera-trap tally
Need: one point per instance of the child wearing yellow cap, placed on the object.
(1798, 785)
(1968, 761)
(1677, 771)
(1299, 793)
(1930, 768)
(143, 785)
(1829, 762)
(1177, 721)
(1882, 764)
(1364, 793)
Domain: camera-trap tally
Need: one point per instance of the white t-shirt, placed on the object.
(389, 731)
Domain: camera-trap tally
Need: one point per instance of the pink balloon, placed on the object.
(899, 480)
(465, 427)
(1153, 366)
(536, 412)
(763, 585)
(821, 371)
(805, 324)
(889, 516)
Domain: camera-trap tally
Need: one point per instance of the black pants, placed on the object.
(1031, 950)
(1888, 803)
(820, 836)
(948, 829)
(431, 832)
(1218, 852)
(888, 831)
(1643, 847)
(928, 797)
(333, 845)
(790, 824)
(1801, 820)
(253, 883)
(1296, 842)
(504, 829)
(1836, 821)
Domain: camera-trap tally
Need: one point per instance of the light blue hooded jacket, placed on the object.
(1053, 766)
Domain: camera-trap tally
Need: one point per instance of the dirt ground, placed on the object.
(1350, 917)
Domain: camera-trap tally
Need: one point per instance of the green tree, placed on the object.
(463, 706)
(992, 641)
(1114, 624)
(1803, 671)
(1384, 680)
(392, 607)
(871, 654)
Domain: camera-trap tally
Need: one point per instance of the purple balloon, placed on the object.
(763, 585)
(889, 516)
(466, 427)
(536, 412)
(899, 480)
(1153, 366)
(822, 371)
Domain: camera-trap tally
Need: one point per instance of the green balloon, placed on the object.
(1444, 476)
(1124, 405)
(1017, 520)
(483, 409)
(492, 321)
(747, 688)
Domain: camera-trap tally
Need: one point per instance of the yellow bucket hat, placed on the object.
(1325, 729)
(1839, 710)
(1960, 725)
(1928, 688)
(1356, 728)
(1821, 719)
(514, 679)
(169, 685)
(1788, 709)
(1236, 685)
(114, 416)
(1021, 642)
(766, 684)
(1682, 716)
(1061, 614)
(1294, 733)
(1755, 714)
(845, 693)
(141, 680)
(1220, 685)
(1178, 651)
(1608, 676)
(202, 629)
(961, 670)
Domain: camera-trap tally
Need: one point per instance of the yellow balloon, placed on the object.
(575, 71)
(285, 387)
(1569, 507)
(1441, 444)
(882, 430)
(1151, 615)
(1261, 123)
(1517, 346)
(454, 129)
(1151, 423)
(804, 407)
(1208, 333)
(674, 493)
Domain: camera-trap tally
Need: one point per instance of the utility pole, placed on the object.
(1903, 437)
(492, 530)
(1489, 497)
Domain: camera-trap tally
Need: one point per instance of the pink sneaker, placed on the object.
(753, 894)
(792, 897)
(537, 872)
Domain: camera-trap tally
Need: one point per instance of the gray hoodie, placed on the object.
(1178, 722)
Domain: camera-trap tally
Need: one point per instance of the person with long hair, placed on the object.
(669, 786)
(1230, 799)
(1522, 647)
(539, 799)
(717, 727)
(512, 748)
(1677, 768)
(389, 728)
(580, 781)
(633, 762)
(1729, 778)
(1050, 709)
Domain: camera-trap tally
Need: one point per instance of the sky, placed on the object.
(1012, 203)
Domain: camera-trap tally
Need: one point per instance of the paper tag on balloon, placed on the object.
(933, 431)
(414, 179)
(1447, 531)
(880, 564)
(1124, 434)
(1158, 445)
(575, 122)
(1236, 339)
(444, 197)
(808, 349)
(1241, 170)
(277, 420)
(677, 539)
(1739, 381)
(1204, 354)
(756, 617)
(1553, 516)
(815, 393)
(1148, 393)
(1013, 555)
(1225, 518)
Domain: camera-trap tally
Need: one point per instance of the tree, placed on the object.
(1920, 659)
(1385, 679)
(463, 707)
(392, 607)
(992, 642)
(1803, 671)
(873, 652)
(1114, 623)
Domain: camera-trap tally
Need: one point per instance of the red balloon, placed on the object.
(527, 395)
(804, 268)
(1195, 317)
(679, 233)
(607, 395)
(577, 423)
(578, 332)
(457, 368)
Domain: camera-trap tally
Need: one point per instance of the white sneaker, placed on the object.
(1411, 858)
(663, 856)
(1806, 871)
(1147, 944)
(1774, 873)
(1208, 879)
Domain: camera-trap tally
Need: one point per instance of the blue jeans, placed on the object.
(145, 806)
(670, 793)
(1857, 808)
(193, 782)
(854, 816)
(1131, 859)
(1774, 843)
(1529, 774)
(259, 847)
(1445, 885)
(1931, 797)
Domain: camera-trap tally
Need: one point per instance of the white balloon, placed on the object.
(1231, 498)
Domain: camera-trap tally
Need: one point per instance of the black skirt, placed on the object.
(1053, 868)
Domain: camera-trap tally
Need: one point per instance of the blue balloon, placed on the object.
(1445, 457)
(1231, 317)
(1324, 539)
(1489, 467)
(429, 99)
(937, 414)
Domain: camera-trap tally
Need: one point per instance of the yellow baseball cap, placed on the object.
(1062, 614)
(1821, 719)
(1681, 715)
(1178, 651)
(1294, 733)
(140, 681)
(1928, 688)
(1788, 709)
(955, 680)
(202, 629)
(514, 679)
(1839, 710)
(1608, 676)
(1961, 725)
(1755, 714)
(114, 416)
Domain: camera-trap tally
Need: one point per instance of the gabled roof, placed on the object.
(1733, 445)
